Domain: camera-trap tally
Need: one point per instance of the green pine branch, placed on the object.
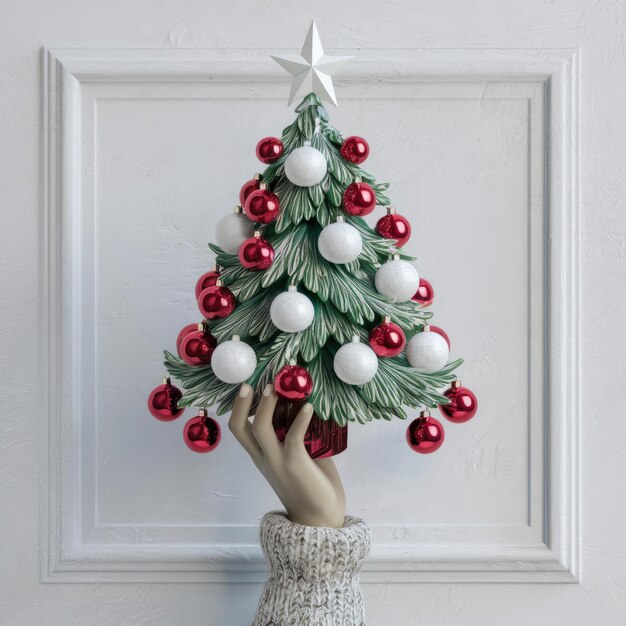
(344, 297)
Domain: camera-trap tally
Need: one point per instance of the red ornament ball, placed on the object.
(197, 347)
(442, 332)
(359, 199)
(387, 339)
(202, 433)
(216, 302)
(189, 328)
(256, 254)
(355, 149)
(425, 434)
(425, 293)
(163, 402)
(463, 404)
(293, 383)
(208, 279)
(393, 226)
(269, 149)
(262, 206)
(247, 188)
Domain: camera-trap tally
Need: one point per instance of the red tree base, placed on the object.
(324, 438)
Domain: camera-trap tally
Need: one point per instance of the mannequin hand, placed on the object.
(311, 491)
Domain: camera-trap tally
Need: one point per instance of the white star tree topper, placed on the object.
(312, 71)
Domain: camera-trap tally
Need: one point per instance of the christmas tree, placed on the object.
(307, 296)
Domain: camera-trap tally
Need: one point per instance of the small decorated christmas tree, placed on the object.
(305, 295)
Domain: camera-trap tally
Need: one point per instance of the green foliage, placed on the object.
(396, 382)
(201, 385)
(249, 319)
(345, 299)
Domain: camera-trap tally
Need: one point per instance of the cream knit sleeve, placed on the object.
(313, 573)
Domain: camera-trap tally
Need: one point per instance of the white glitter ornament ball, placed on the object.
(427, 351)
(232, 231)
(397, 279)
(340, 242)
(305, 166)
(291, 311)
(233, 361)
(355, 363)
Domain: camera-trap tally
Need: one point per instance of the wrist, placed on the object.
(337, 520)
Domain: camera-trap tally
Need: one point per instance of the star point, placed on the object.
(312, 71)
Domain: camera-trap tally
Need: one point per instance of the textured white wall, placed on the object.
(596, 27)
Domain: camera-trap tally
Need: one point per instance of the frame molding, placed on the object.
(64, 558)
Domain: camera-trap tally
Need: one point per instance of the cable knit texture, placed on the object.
(314, 573)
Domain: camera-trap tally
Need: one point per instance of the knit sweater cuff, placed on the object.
(314, 572)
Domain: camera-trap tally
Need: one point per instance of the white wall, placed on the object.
(106, 518)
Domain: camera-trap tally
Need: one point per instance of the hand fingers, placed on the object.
(240, 426)
(262, 425)
(297, 430)
(241, 408)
